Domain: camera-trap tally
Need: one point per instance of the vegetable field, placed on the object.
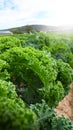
(36, 71)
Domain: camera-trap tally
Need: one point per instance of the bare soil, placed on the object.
(65, 107)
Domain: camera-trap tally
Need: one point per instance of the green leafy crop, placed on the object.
(29, 66)
(15, 117)
(61, 51)
(8, 42)
(65, 75)
(48, 119)
(35, 74)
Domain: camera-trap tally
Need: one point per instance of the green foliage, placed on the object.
(45, 115)
(53, 93)
(62, 123)
(48, 119)
(29, 69)
(13, 114)
(7, 89)
(3, 70)
(69, 58)
(61, 51)
(36, 60)
(65, 75)
(8, 42)
(39, 73)
(36, 40)
(27, 63)
(15, 117)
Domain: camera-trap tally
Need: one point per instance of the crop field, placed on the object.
(36, 71)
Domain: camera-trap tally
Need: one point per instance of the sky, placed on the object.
(15, 13)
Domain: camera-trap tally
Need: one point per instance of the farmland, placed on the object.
(36, 71)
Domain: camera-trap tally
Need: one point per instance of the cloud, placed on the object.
(21, 12)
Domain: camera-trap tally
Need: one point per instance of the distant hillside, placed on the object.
(39, 28)
(33, 28)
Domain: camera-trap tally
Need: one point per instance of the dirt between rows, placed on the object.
(65, 107)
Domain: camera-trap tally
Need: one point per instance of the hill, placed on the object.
(38, 28)
(33, 28)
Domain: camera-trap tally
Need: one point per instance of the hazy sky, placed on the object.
(48, 12)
